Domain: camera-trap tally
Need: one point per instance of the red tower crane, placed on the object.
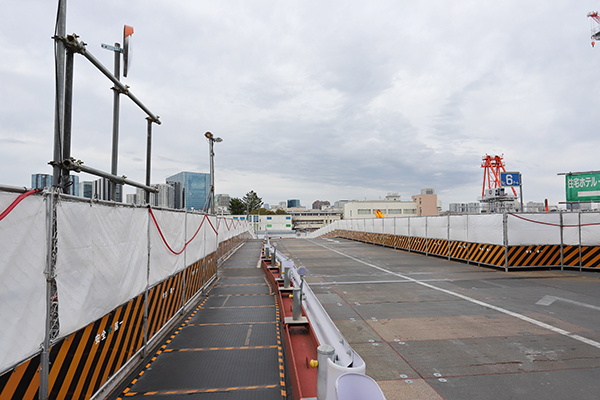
(491, 173)
(595, 28)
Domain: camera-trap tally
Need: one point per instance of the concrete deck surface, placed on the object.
(434, 329)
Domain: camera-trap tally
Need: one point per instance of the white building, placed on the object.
(271, 223)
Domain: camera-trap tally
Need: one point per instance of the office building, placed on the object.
(195, 187)
(101, 190)
(293, 203)
(86, 189)
(40, 181)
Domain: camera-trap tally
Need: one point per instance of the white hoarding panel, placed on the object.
(388, 226)
(458, 228)
(368, 224)
(401, 228)
(485, 228)
(590, 229)
(22, 283)
(102, 260)
(533, 229)
(378, 225)
(167, 240)
(418, 227)
(437, 227)
(571, 229)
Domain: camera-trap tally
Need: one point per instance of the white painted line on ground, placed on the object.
(472, 300)
(548, 300)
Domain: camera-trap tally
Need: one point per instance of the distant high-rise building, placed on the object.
(165, 196)
(101, 190)
(40, 181)
(196, 187)
(131, 198)
(318, 205)
(178, 195)
(293, 203)
(86, 189)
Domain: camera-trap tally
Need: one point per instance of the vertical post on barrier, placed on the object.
(48, 272)
(579, 229)
(185, 266)
(505, 234)
(145, 322)
(324, 352)
(562, 259)
(448, 236)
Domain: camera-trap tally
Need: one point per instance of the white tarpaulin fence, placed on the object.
(106, 255)
(23, 285)
(510, 229)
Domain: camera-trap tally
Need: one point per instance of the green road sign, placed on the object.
(582, 187)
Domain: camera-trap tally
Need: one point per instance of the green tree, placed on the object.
(262, 211)
(237, 206)
(279, 211)
(252, 201)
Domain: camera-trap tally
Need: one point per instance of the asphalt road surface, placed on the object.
(429, 328)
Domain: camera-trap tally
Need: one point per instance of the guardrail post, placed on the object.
(286, 277)
(324, 352)
(297, 303)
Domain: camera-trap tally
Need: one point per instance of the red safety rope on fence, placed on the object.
(551, 224)
(186, 243)
(17, 201)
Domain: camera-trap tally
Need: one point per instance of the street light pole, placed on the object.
(211, 153)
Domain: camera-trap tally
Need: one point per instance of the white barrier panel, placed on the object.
(533, 229)
(590, 234)
(437, 227)
(22, 286)
(101, 260)
(368, 225)
(378, 225)
(401, 228)
(571, 229)
(388, 226)
(485, 228)
(196, 249)
(418, 227)
(164, 262)
(458, 228)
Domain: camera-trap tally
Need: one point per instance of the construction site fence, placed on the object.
(118, 275)
(510, 240)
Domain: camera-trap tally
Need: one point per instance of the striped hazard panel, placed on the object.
(590, 256)
(533, 256)
(83, 361)
(378, 238)
(388, 240)
(402, 242)
(459, 250)
(490, 254)
(418, 244)
(439, 247)
(571, 256)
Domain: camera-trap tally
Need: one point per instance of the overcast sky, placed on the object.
(316, 100)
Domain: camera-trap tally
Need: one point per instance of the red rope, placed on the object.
(165, 241)
(551, 224)
(17, 201)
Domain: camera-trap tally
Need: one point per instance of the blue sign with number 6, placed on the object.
(510, 178)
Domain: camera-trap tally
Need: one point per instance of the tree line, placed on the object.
(250, 204)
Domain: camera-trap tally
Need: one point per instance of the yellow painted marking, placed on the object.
(222, 348)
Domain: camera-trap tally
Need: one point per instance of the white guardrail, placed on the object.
(336, 356)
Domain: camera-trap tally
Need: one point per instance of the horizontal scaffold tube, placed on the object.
(78, 166)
